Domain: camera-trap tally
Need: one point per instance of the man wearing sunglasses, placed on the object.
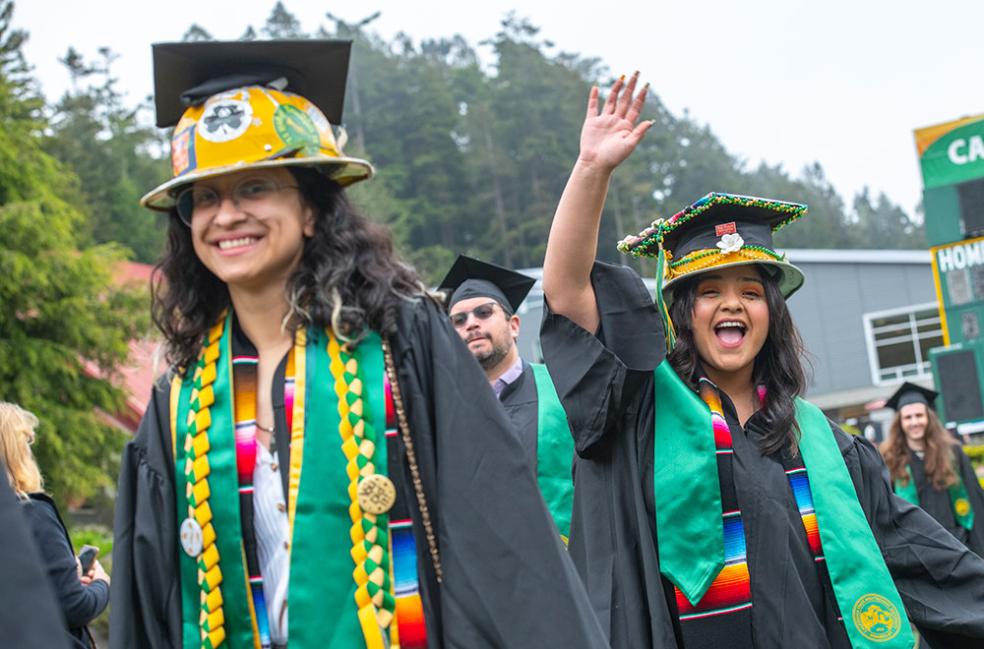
(482, 304)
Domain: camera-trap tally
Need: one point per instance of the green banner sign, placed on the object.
(955, 157)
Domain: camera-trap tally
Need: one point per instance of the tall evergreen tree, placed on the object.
(282, 24)
(116, 158)
(63, 325)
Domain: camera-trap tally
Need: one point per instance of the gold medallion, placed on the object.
(961, 506)
(876, 618)
(376, 494)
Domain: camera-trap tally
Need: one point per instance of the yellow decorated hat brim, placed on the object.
(343, 170)
(791, 278)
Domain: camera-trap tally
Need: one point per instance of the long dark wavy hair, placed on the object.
(938, 453)
(778, 365)
(349, 277)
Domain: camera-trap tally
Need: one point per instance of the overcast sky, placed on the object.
(841, 82)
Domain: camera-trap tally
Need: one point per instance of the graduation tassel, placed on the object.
(664, 312)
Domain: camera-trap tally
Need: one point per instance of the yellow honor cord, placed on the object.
(197, 446)
(370, 548)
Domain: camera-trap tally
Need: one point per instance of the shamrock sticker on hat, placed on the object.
(225, 120)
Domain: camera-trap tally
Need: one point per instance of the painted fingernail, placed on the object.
(621, 79)
(646, 87)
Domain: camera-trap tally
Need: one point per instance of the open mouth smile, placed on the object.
(730, 333)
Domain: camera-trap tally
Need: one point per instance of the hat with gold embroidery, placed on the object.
(251, 104)
(718, 231)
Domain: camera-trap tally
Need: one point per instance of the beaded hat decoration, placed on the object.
(718, 231)
(251, 104)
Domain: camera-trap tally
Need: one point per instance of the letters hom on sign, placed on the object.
(960, 256)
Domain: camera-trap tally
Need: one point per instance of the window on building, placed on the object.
(899, 342)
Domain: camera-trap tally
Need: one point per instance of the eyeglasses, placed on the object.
(200, 201)
(481, 312)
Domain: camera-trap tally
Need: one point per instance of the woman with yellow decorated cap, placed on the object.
(713, 506)
(323, 464)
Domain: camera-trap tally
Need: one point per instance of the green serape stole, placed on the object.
(963, 513)
(689, 517)
(554, 451)
(321, 590)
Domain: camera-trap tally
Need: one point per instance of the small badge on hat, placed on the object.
(730, 243)
(183, 151)
(225, 119)
(722, 229)
(191, 537)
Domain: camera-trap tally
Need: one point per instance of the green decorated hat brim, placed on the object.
(790, 277)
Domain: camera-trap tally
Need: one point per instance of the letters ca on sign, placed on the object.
(959, 257)
(965, 150)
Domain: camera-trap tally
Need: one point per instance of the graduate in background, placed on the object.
(324, 465)
(482, 305)
(713, 506)
(929, 469)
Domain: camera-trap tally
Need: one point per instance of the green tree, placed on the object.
(282, 24)
(115, 157)
(196, 33)
(883, 224)
(63, 326)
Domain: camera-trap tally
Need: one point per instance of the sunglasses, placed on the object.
(481, 312)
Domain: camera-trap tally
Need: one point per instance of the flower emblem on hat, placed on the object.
(730, 243)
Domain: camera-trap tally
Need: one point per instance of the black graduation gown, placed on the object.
(29, 616)
(79, 604)
(606, 385)
(519, 399)
(937, 502)
(507, 579)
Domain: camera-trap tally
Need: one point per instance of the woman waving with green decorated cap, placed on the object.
(324, 464)
(713, 506)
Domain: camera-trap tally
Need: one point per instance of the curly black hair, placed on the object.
(778, 365)
(349, 277)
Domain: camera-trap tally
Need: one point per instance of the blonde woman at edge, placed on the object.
(81, 597)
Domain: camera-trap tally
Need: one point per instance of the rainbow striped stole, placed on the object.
(731, 589)
(244, 383)
(410, 631)
(800, 484)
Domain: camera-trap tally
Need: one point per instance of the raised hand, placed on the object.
(610, 137)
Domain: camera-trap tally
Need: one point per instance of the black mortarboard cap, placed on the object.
(909, 393)
(470, 278)
(754, 222)
(188, 73)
